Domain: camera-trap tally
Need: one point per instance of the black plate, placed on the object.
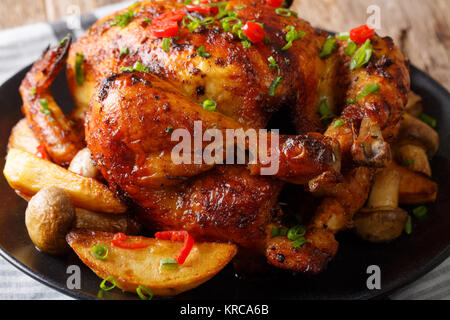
(401, 262)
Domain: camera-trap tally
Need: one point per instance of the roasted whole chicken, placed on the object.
(134, 82)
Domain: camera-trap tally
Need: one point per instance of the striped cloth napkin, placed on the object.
(21, 46)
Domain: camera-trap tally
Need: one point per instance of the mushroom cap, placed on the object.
(49, 216)
(381, 224)
(413, 130)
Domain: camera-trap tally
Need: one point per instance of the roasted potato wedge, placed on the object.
(415, 188)
(28, 174)
(23, 138)
(132, 268)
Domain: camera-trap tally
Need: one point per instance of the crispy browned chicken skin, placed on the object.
(127, 128)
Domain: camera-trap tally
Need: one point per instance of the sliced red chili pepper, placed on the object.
(169, 16)
(165, 29)
(120, 237)
(202, 9)
(178, 236)
(275, 3)
(41, 152)
(254, 32)
(120, 240)
(361, 34)
(214, 10)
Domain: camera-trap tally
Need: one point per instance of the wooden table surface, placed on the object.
(420, 27)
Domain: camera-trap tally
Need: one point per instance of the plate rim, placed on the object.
(379, 294)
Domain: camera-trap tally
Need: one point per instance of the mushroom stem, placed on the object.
(384, 193)
(382, 220)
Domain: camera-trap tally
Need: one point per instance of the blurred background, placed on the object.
(420, 27)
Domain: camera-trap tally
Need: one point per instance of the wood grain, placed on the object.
(421, 28)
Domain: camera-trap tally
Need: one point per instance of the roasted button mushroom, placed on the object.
(49, 217)
(382, 220)
(84, 165)
(417, 142)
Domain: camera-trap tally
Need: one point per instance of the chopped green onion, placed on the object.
(362, 56)
(195, 23)
(138, 66)
(166, 44)
(407, 163)
(123, 20)
(45, 108)
(124, 51)
(202, 53)
(296, 232)
(428, 120)
(144, 293)
(291, 36)
(274, 85)
(369, 89)
(350, 48)
(226, 23)
(246, 44)
(33, 92)
(240, 7)
(324, 111)
(351, 100)
(64, 40)
(111, 280)
(225, 13)
(168, 264)
(408, 226)
(328, 48)
(344, 36)
(99, 252)
(79, 72)
(273, 63)
(209, 105)
(208, 21)
(285, 12)
(299, 243)
(420, 212)
(267, 40)
(169, 129)
(339, 123)
(101, 294)
(147, 20)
